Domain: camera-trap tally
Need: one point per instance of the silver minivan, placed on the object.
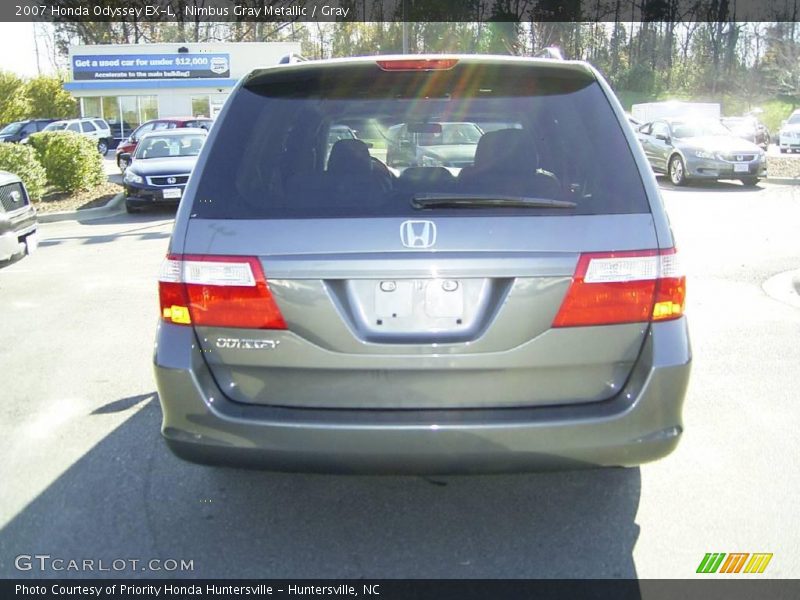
(323, 311)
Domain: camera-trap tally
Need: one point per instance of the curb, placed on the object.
(783, 180)
(112, 207)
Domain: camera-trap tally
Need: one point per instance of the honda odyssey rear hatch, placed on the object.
(314, 275)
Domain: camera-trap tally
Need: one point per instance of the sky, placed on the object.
(17, 50)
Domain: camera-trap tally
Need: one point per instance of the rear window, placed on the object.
(200, 124)
(358, 141)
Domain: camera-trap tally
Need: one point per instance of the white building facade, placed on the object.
(128, 84)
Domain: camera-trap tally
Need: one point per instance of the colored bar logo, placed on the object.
(735, 562)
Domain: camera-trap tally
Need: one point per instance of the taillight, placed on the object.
(417, 64)
(217, 291)
(624, 287)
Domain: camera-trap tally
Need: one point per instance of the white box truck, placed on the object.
(650, 111)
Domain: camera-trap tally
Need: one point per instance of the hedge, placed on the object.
(71, 160)
(21, 160)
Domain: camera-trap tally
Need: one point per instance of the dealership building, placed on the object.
(128, 84)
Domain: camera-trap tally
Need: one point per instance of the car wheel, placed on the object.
(102, 147)
(783, 150)
(677, 171)
(121, 166)
(749, 181)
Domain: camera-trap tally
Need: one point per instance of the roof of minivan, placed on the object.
(576, 66)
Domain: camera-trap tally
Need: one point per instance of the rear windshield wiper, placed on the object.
(420, 201)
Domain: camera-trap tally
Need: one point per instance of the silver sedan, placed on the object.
(688, 150)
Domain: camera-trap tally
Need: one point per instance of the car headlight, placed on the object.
(131, 177)
(703, 154)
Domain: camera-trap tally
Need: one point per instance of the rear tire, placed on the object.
(677, 171)
(102, 147)
(749, 181)
(784, 150)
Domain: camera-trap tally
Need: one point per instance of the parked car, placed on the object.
(20, 130)
(94, 128)
(18, 234)
(339, 317)
(748, 128)
(688, 150)
(128, 145)
(789, 134)
(120, 130)
(160, 167)
(432, 144)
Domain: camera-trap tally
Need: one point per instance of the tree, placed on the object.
(49, 99)
(14, 104)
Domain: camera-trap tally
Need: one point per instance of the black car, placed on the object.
(18, 234)
(748, 128)
(160, 166)
(19, 130)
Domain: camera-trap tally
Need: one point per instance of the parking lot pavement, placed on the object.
(111, 169)
(85, 474)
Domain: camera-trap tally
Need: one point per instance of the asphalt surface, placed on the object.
(85, 474)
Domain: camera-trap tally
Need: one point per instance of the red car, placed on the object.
(128, 145)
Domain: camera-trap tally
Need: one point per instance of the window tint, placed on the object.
(11, 128)
(162, 146)
(202, 124)
(88, 127)
(74, 127)
(100, 124)
(660, 129)
(142, 130)
(698, 129)
(500, 131)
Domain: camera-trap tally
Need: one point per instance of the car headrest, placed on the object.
(506, 150)
(158, 149)
(349, 156)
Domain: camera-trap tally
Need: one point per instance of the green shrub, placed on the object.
(71, 160)
(21, 160)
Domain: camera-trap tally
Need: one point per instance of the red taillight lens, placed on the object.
(418, 64)
(217, 291)
(624, 287)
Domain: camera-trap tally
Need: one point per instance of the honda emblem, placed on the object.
(418, 234)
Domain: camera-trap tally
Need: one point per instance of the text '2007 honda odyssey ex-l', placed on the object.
(517, 308)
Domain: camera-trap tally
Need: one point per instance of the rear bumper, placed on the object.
(642, 423)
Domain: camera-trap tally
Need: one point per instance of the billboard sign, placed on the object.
(104, 67)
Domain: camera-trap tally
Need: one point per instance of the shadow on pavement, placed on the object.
(129, 498)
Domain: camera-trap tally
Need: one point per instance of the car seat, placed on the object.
(350, 170)
(506, 162)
